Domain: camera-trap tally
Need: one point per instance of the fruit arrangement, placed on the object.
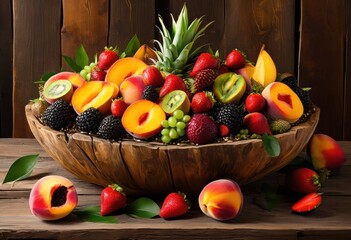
(174, 93)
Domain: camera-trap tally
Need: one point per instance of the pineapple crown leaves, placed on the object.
(176, 47)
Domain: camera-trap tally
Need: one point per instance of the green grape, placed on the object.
(186, 118)
(93, 64)
(172, 121)
(165, 124)
(165, 139)
(87, 68)
(178, 114)
(88, 76)
(181, 125)
(181, 132)
(173, 133)
(165, 132)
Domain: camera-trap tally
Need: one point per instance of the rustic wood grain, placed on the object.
(347, 79)
(131, 17)
(84, 22)
(36, 50)
(330, 221)
(250, 24)
(6, 69)
(155, 168)
(322, 60)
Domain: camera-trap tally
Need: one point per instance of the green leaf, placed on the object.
(271, 145)
(82, 58)
(21, 168)
(45, 77)
(132, 46)
(143, 208)
(92, 214)
(72, 64)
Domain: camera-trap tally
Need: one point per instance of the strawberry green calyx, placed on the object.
(117, 188)
(185, 199)
(113, 49)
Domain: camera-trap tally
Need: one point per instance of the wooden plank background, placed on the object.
(314, 45)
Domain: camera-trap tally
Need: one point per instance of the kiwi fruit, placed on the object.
(60, 89)
(175, 100)
(229, 87)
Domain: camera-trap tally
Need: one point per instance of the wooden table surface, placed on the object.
(332, 220)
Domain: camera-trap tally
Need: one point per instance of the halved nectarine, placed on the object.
(142, 119)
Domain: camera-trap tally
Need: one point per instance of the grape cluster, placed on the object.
(86, 71)
(174, 126)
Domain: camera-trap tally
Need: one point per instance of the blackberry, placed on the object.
(58, 115)
(89, 120)
(230, 115)
(150, 93)
(304, 97)
(289, 80)
(110, 128)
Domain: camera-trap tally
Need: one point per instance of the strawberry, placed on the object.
(257, 123)
(152, 76)
(303, 180)
(308, 203)
(107, 58)
(174, 205)
(223, 69)
(255, 102)
(235, 60)
(118, 107)
(173, 82)
(112, 199)
(205, 60)
(224, 130)
(202, 102)
(203, 79)
(97, 75)
(201, 129)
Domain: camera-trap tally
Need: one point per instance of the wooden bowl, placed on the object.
(151, 168)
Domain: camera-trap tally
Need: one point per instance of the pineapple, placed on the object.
(176, 50)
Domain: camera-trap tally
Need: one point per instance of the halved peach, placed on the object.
(97, 94)
(146, 54)
(124, 68)
(142, 119)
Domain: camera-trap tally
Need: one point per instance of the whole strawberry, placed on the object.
(235, 60)
(255, 102)
(203, 79)
(174, 205)
(201, 129)
(172, 82)
(257, 122)
(118, 107)
(205, 60)
(97, 74)
(202, 102)
(107, 58)
(303, 180)
(112, 199)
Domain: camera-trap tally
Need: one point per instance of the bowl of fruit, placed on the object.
(172, 118)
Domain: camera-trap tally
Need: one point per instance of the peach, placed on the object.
(97, 94)
(325, 153)
(146, 54)
(282, 102)
(124, 68)
(52, 197)
(247, 72)
(142, 119)
(132, 89)
(221, 199)
(75, 78)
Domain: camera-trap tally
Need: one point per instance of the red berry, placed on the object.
(257, 123)
(205, 60)
(118, 107)
(173, 82)
(224, 130)
(112, 199)
(201, 129)
(303, 180)
(308, 203)
(107, 58)
(174, 205)
(202, 102)
(235, 60)
(97, 75)
(255, 102)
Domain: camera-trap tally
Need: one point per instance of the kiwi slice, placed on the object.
(229, 87)
(176, 100)
(60, 89)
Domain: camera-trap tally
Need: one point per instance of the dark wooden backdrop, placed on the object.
(310, 38)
